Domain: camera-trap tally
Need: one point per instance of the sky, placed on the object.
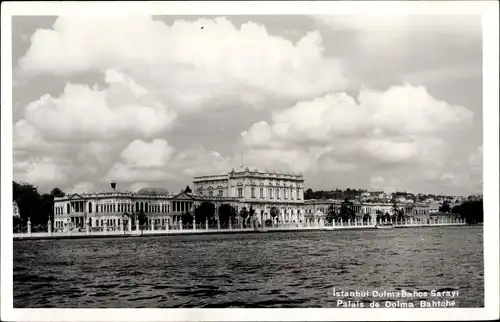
(372, 102)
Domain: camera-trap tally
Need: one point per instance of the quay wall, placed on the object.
(171, 232)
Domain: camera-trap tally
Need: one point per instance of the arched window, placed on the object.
(146, 207)
(68, 208)
(142, 206)
(90, 207)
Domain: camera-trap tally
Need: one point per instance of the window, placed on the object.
(277, 193)
(240, 192)
(284, 193)
(253, 192)
(298, 194)
(210, 193)
(221, 193)
(90, 207)
(262, 192)
(271, 193)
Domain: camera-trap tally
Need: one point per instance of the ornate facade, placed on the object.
(261, 191)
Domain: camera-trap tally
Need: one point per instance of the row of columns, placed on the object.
(182, 206)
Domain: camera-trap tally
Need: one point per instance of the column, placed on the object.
(230, 223)
(153, 224)
(105, 226)
(29, 227)
(180, 224)
(121, 225)
(194, 222)
(167, 223)
(129, 224)
(87, 226)
(49, 227)
(206, 223)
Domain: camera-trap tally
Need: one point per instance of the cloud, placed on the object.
(185, 64)
(82, 187)
(138, 94)
(476, 159)
(84, 113)
(403, 127)
(142, 161)
(403, 114)
(156, 161)
(40, 170)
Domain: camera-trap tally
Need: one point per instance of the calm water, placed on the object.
(247, 270)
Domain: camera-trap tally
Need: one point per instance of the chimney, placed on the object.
(113, 185)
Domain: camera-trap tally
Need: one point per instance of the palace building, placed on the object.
(268, 193)
(262, 191)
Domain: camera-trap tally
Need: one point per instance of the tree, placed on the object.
(226, 212)
(471, 210)
(274, 213)
(380, 215)
(187, 218)
(244, 214)
(38, 208)
(309, 194)
(347, 210)
(331, 214)
(188, 190)
(367, 217)
(395, 209)
(142, 220)
(206, 210)
(58, 193)
(252, 218)
(445, 207)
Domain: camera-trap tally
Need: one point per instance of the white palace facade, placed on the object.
(247, 188)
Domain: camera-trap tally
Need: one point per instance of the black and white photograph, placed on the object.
(223, 158)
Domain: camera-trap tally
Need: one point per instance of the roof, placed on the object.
(152, 191)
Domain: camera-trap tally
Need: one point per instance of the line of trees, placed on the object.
(345, 212)
(332, 194)
(38, 207)
(471, 210)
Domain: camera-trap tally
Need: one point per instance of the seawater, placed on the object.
(292, 269)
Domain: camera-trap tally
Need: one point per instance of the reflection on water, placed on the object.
(296, 269)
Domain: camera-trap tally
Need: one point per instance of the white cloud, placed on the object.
(40, 170)
(476, 159)
(141, 154)
(144, 161)
(402, 127)
(401, 123)
(83, 113)
(157, 161)
(183, 63)
(200, 161)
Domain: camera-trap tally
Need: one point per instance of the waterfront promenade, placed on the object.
(204, 229)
